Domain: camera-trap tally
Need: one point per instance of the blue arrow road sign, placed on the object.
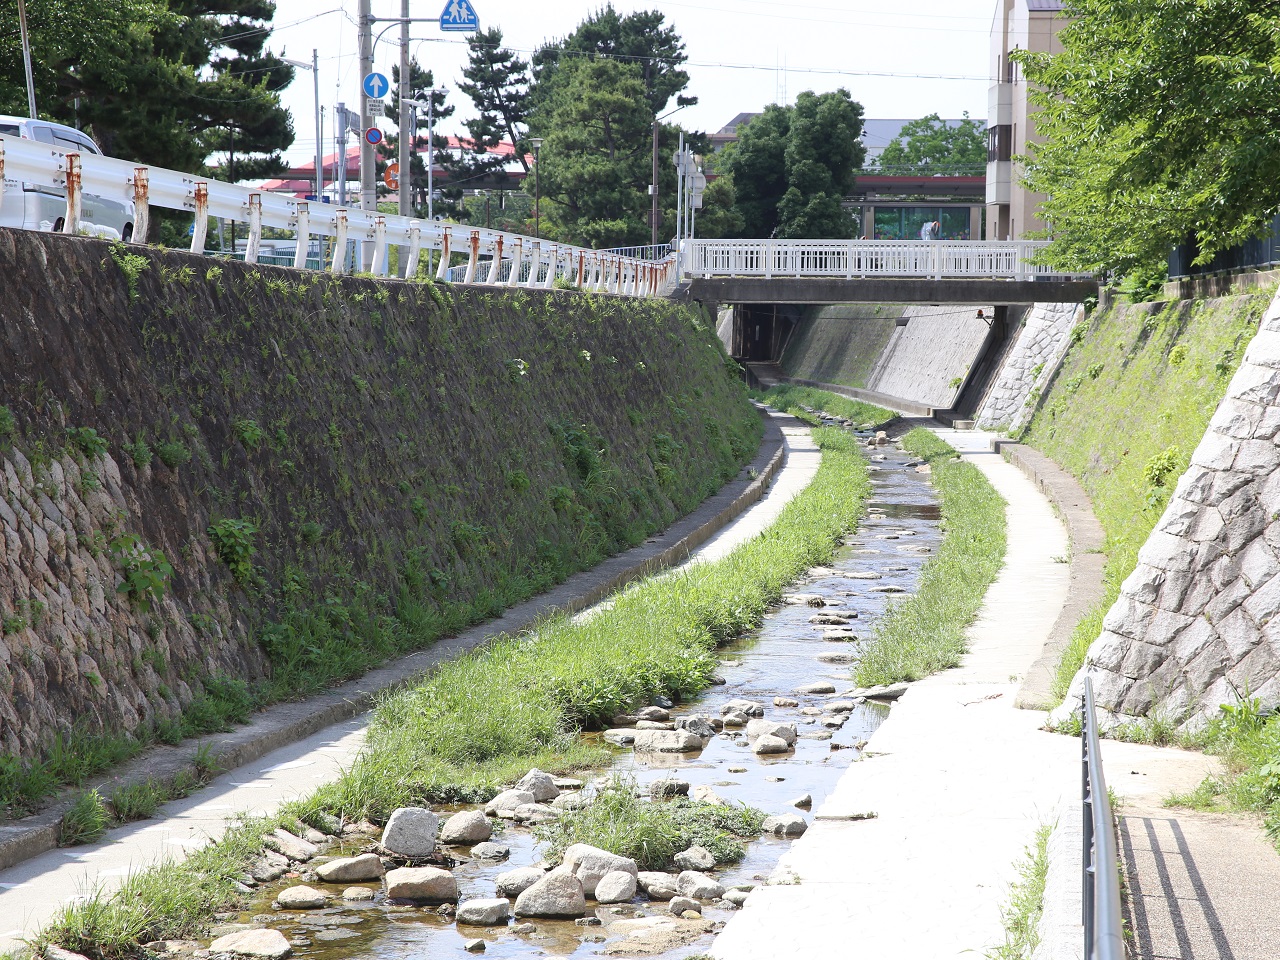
(459, 16)
(376, 86)
(373, 135)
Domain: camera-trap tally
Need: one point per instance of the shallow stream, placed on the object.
(881, 560)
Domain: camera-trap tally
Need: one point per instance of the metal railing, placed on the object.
(1103, 920)
(489, 256)
(850, 259)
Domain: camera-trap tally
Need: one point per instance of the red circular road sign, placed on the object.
(373, 136)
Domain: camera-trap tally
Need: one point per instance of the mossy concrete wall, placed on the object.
(337, 469)
(919, 354)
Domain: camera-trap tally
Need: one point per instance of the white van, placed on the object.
(34, 206)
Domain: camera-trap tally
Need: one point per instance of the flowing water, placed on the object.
(880, 561)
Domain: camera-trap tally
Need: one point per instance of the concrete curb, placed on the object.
(287, 723)
(1087, 563)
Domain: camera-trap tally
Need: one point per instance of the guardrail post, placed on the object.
(378, 267)
(304, 237)
(141, 203)
(1, 171)
(535, 263)
(255, 228)
(442, 271)
(1087, 866)
(71, 222)
(495, 265)
(475, 256)
(517, 262)
(582, 264)
(200, 225)
(553, 265)
(415, 249)
(339, 264)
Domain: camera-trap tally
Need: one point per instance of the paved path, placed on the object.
(32, 892)
(957, 780)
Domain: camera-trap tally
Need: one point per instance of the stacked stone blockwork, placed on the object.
(1195, 625)
(1030, 366)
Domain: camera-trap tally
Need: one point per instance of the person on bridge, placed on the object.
(932, 230)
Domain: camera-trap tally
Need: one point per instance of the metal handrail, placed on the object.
(1103, 920)
(490, 256)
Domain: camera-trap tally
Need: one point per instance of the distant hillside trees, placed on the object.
(930, 146)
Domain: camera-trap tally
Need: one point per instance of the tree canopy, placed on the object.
(497, 81)
(1162, 122)
(928, 146)
(792, 167)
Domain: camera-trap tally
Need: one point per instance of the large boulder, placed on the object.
(770, 744)
(558, 894)
(657, 886)
(691, 883)
(617, 886)
(541, 785)
(695, 858)
(253, 943)
(411, 832)
(467, 827)
(748, 707)
(698, 725)
(517, 881)
(367, 866)
(783, 731)
(427, 884)
(666, 741)
(589, 864)
(484, 913)
(507, 801)
(668, 787)
(301, 898)
(785, 825)
(295, 848)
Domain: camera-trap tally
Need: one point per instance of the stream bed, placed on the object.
(881, 560)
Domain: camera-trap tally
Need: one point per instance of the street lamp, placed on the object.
(537, 189)
(314, 67)
(26, 59)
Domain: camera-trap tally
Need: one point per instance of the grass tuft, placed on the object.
(86, 821)
(800, 401)
(1022, 913)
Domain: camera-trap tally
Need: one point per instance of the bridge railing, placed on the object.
(488, 256)
(852, 259)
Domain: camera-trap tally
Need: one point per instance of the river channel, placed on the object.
(878, 562)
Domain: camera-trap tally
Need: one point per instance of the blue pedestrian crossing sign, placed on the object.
(459, 16)
(376, 86)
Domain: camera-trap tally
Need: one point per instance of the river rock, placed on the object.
(507, 801)
(653, 713)
(830, 619)
(535, 813)
(699, 725)
(805, 600)
(295, 848)
(475, 946)
(666, 741)
(818, 686)
(490, 851)
(770, 744)
(467, 827)
(695, 858)
(679, 905)
(816, 735)
(837, 657)
(667, 787)
(737, 897)
(804, 801)
(616, 886)
(367, 866)
(558, 894)
(835, 721)
(54, 952)
(657, 886)
(785, 825)
(783, 731)
(691, 883)
(786, 702)
(484, 913)
(253, 943)
(568, 783)
(517, 881)
(301, 898)
(620, 738)
(655, 725)
(357, 894)
(574, 800)
(704, 793)
(541, 785)
(270, 866)
(589, 864)
(864, 575)
(429, 884)
(889, 691)
(734, 718)
(411, 832)
(749, 707)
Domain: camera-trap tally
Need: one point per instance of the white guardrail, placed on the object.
(492, 256)
(849, 259)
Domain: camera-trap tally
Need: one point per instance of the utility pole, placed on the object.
(406, 129)
(368, 190)
(26, 59)
(653, 189)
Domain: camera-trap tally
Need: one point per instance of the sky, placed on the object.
(927, 56)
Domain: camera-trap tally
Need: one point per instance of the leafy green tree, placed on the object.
(793, 166)
(719, 217)
(929, 146)
(1162, 121)
(497, 81)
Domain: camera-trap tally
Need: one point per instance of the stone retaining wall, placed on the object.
(1194, 626)
(1030, 366)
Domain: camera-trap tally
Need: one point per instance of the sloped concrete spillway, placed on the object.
(881, 561)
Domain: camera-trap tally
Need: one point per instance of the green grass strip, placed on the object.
(481, 721)
(925, 633)
(1022, 913)
(794, 399)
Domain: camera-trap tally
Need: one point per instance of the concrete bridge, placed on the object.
(876, 271)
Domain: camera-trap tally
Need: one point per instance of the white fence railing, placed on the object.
(851, 259)
(491, 256)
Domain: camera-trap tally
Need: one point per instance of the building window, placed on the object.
(999, 143)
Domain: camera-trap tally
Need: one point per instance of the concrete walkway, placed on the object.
(32, 892)
(913, 854)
